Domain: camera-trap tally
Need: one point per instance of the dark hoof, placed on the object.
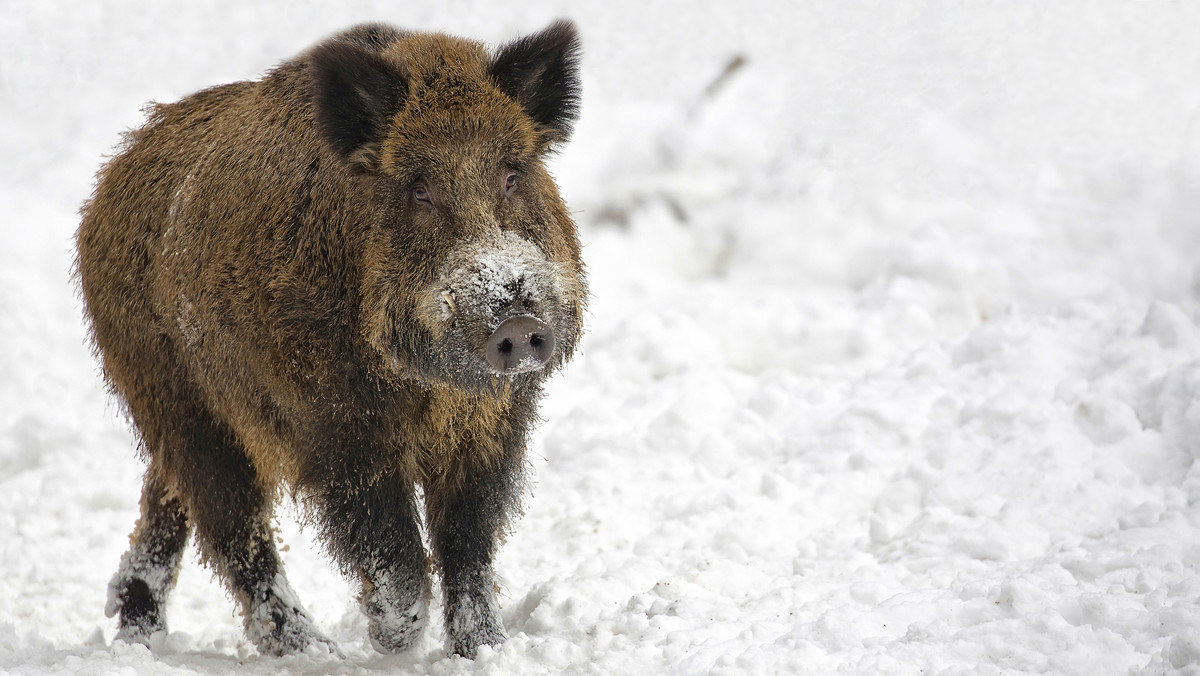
(140, 614)
(280, 628)
(391, 635)
(468, 646)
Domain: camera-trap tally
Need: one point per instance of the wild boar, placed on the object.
(347, 282)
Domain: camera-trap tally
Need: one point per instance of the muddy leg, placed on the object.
(370, 527)
(148, 570)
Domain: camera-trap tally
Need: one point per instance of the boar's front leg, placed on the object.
(467, 512)
(371, 528)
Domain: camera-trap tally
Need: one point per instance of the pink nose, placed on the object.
(520, 344)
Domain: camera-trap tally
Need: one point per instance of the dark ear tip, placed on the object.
(332, 52)
(565, 28)
(541, 72)
(563, 34)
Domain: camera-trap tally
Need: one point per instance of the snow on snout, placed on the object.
(490, 274)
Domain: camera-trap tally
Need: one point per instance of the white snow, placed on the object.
(893, 359)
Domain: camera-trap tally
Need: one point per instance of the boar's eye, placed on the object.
(421, 193)
(510, 183)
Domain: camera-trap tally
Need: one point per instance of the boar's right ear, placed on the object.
(355, 94)
(541, 72)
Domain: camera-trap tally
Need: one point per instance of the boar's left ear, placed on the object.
(541, 72)
(355, 94)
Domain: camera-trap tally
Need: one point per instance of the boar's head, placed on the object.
(470, 270)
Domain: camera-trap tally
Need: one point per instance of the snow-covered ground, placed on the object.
(893, 363)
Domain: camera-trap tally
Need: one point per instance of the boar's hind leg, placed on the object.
(148, 570)
(466, 520)
(231, 512)
(205, 468)
(371, 528)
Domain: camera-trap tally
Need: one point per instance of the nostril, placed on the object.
(521, 343)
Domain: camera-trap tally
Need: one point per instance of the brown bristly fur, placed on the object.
(265, 295)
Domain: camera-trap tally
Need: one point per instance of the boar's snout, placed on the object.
(499, 306)
(520, 344)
